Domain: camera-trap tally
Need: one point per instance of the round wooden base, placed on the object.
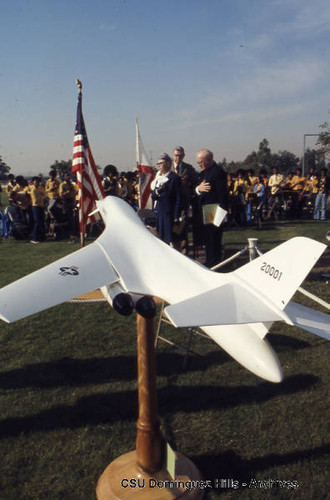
(124, 480)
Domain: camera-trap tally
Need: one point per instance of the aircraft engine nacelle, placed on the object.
(145, 306)
(120, 300)
(123, 304)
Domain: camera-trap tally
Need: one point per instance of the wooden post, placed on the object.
(133, 475)
(149, 442)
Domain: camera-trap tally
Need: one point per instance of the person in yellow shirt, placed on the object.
(230, 183)
(287, 186)
(37, 194)
(240, 185)
(21, 188)
(76, 187)
(297, 185)
(251, 181)
(67, 193)
(310, 190)
(298, 181)
(67, 190)
(52, 188)
(110, 181)
(313, 183)
(239, 193)
(10, 185)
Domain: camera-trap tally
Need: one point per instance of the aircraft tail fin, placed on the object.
(278, 273)
(258, 291)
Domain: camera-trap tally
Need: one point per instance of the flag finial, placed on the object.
(79, 84)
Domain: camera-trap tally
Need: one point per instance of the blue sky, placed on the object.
(220, 74)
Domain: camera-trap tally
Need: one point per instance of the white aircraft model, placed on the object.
(131, 265)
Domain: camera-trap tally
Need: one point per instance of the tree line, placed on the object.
(285, 161)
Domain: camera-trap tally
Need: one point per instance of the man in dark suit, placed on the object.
(212, 189)
(189, 181)
(166, 192)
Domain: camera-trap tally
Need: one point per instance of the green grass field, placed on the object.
(69, 393)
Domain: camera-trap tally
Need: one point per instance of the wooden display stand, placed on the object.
(142, 474)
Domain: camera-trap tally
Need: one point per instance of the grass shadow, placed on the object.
(231, 465)
(74, 372)
(123, 405)
(284, 343)
(191, 399)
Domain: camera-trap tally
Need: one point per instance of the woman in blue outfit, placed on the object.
(166, 193)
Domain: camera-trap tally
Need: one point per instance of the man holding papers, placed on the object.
(213, 199)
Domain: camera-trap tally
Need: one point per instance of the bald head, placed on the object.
(204, 158)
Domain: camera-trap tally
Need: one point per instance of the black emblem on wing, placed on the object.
(69, 271)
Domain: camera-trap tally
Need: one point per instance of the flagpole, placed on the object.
(81, 209)
(81, 197)
(137, 155)
(146, 172)
(137, 143)
(84, 167)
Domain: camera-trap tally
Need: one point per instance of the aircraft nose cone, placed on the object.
(245, 346)
(267, 365)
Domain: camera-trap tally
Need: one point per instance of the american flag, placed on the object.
(83, 165)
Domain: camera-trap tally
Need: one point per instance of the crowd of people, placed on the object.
(292, 196)
(182, 199)
(34, 207)
(38, 208)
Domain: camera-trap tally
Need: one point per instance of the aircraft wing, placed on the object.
(309, 319)
(229, 304)
(73, 275)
